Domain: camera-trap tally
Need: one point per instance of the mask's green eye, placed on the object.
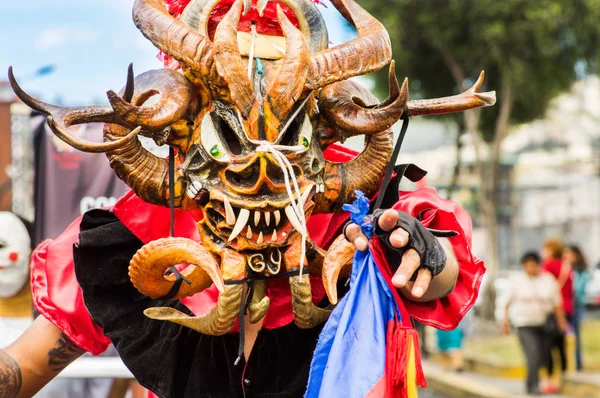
(305, 133)
(212, 141)
(215, 151)
(305, 142)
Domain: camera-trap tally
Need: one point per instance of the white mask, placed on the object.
(15, 249)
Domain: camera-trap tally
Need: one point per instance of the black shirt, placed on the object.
(169, 359)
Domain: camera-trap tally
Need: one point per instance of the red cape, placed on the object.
(58, 297)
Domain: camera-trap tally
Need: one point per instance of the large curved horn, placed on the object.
(175, 93)
(306, 314)
(147, 268)
(370, 51)
(353, 117)
(222, 318)
(229, 62)
(364, 172)
(286, 84)
(144, 172)
(216, 323)
(175, 38)
(59, 120)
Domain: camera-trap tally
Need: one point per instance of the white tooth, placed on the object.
(274, 237)
(268, 218)
(229, 214)
(241, 223)
(289, 212)
(194, 189)
(260, 239)
(249, 233)
(304, 197)
(322, 188)
(256, 218)
(277, 215)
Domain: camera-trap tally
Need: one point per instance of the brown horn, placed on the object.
(370, 51)
(147, 268)
(175, 38)
(306, 314)
(60, 119)
(353, 117)
(217, 322)
(287, 84)
(229, 62)
(144, 172)
(175, 93)
(470, 99)
(221, 319)
(363, 173)
(337, 260)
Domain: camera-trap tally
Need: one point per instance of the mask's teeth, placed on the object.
(229, 214)
(194, 189)
(274, 236)
(277, 215)
(256, 218)
(304, 198)
(260, 239)
(241, 223)
(268, 218)
(249, 233)
(289, 212)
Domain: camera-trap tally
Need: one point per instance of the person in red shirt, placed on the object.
(552, 263)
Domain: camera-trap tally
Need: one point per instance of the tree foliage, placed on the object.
(537, 47)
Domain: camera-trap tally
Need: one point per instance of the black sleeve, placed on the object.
(168, 359)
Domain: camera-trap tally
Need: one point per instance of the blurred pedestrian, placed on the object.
(533, 300)
(562, 272)
(573, 256)
(450, 342)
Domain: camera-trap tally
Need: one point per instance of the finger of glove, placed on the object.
(356, 237)
(422, 283)
(409, 264)
(388, 220)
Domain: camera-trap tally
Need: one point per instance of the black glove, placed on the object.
(421, 239)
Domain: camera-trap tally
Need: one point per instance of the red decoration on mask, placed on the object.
(13, 257)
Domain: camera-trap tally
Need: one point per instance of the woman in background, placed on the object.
(533, 297)
(573, 256)
(563, 273)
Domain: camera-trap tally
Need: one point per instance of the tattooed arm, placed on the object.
(41, 353)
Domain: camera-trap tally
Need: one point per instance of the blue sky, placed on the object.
(90, 42)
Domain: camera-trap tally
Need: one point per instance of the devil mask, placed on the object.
(257, 98)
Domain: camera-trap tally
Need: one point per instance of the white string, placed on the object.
(289, 173)
(251, 55)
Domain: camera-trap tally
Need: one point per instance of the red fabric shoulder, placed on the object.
(56, 293)
(445, 313)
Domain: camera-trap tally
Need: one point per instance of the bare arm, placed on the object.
(40, 354)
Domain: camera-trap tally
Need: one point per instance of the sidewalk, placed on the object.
(471, 385)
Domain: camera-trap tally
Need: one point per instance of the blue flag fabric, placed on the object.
(350, 355)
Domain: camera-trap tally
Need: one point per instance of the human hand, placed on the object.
(397, 239)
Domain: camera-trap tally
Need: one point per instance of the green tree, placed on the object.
(531, 51)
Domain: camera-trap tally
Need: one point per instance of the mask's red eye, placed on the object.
(13, 257)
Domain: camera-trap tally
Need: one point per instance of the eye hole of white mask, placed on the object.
(306, 132)
(211, 141)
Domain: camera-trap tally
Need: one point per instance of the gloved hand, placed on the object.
(413, 251)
